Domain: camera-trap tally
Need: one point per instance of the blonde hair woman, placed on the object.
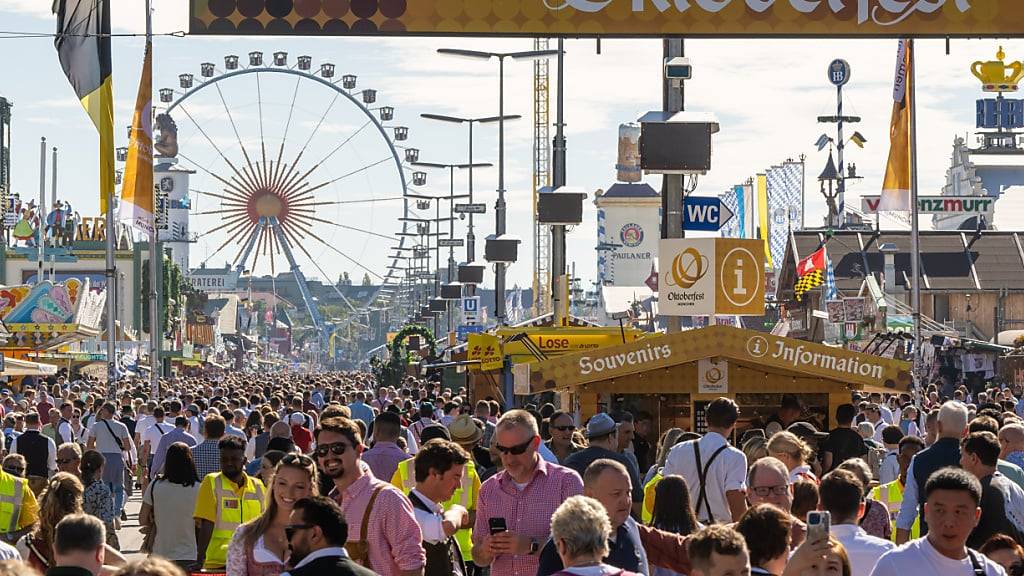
(260, 547)
(794, 453)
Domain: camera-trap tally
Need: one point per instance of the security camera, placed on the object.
(678, 68)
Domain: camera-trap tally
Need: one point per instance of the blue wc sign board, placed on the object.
(704, 214)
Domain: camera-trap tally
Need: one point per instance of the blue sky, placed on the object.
(766, 94)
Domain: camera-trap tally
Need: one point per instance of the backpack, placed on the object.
(874, 459)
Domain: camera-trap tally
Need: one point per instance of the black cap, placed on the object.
(433, 432)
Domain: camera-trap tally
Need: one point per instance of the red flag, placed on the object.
(815, 261)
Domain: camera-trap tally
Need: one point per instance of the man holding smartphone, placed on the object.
(514, 508)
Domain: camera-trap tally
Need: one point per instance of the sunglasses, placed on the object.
(289, 531)
(300, 459)
(338, 448)
(66, 460)
(563, 428)
(516, 450)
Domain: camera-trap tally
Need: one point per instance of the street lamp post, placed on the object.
(470, 236)
(499, 206)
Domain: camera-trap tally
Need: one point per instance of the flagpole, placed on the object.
(915, 248)
(155, 282)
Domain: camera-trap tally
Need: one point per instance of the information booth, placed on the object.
(674, 376)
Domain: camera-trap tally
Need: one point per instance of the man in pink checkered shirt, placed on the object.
(392, 543)
(525, 495)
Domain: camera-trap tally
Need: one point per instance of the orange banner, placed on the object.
(137, 192)
(752, 18)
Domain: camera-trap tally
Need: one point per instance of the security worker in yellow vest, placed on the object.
(226, 500)
(465, 496)
(19, 510)
(891, 494)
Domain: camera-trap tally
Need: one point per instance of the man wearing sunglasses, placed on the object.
(316, 535)
(520, 500)
(384, 535)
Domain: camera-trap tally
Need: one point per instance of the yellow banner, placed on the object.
(896, 187)
(487, 349)
(762, 216)
(556, 342)
(751, 18)
(137, 192)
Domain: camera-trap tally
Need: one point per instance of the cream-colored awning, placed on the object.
(14, 367)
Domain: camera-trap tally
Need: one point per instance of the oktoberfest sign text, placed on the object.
(610, 17)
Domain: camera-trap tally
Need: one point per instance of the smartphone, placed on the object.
(497, 525)
(819, 524)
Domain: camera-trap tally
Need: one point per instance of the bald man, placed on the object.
(1011, 444)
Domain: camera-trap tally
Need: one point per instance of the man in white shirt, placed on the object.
(715, 472)
(951, 509)
(151, 439)
(842, 495)
(64, 430)
(439, 466)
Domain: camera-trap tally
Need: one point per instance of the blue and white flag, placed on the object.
(831, 292)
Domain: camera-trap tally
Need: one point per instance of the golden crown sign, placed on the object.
(998, 75)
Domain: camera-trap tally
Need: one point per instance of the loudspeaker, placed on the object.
(451, 291)
(501, 249)
(560, 208)
(471, 273)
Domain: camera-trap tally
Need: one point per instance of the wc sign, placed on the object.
(704, 214)
(471, 309)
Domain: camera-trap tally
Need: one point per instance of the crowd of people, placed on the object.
(264, 475)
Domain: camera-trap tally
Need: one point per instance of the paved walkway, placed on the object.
(129, 535)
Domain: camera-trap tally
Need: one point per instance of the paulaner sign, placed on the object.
(750, 18)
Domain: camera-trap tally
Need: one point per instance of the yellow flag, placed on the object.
(896, 187)
(137, 192)
(762, 216)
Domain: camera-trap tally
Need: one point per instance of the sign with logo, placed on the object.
(839, 72)
(686, 282)
(462, 332)
(938, 204)
(705, 214)
(631, 235)
(720, 346)
(470, 208)
(749, 18)
(557, 341)
(213, 279)
(471, 309)
(712, 376)
(487, 349)
(709, 276)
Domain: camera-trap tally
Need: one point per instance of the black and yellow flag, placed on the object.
(83, 45)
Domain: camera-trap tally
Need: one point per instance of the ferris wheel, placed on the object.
(297, 169)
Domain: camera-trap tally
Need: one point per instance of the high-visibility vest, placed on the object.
(12, 489)
(891, 495)
(647, 512)
(465, 496)
(231, 513)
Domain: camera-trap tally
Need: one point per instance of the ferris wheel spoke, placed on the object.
(246, 246)
(346, 256)
(259, 245)
(317, 266)
(352, 173)
(263, 141)
(340, 146)
(215, 195)
(230, 221)
(287, 128)
(208, 171)
(353, 228)
(231, 238)
(214, 145)
(234, 127)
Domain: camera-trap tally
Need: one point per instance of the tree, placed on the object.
(366, 279)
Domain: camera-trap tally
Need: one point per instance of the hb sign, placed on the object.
(708, 276)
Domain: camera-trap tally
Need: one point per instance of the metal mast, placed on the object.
(541, 179)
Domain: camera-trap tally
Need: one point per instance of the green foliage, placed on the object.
(175, 290)
(392, 371)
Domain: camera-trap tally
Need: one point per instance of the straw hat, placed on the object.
(464, 430)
